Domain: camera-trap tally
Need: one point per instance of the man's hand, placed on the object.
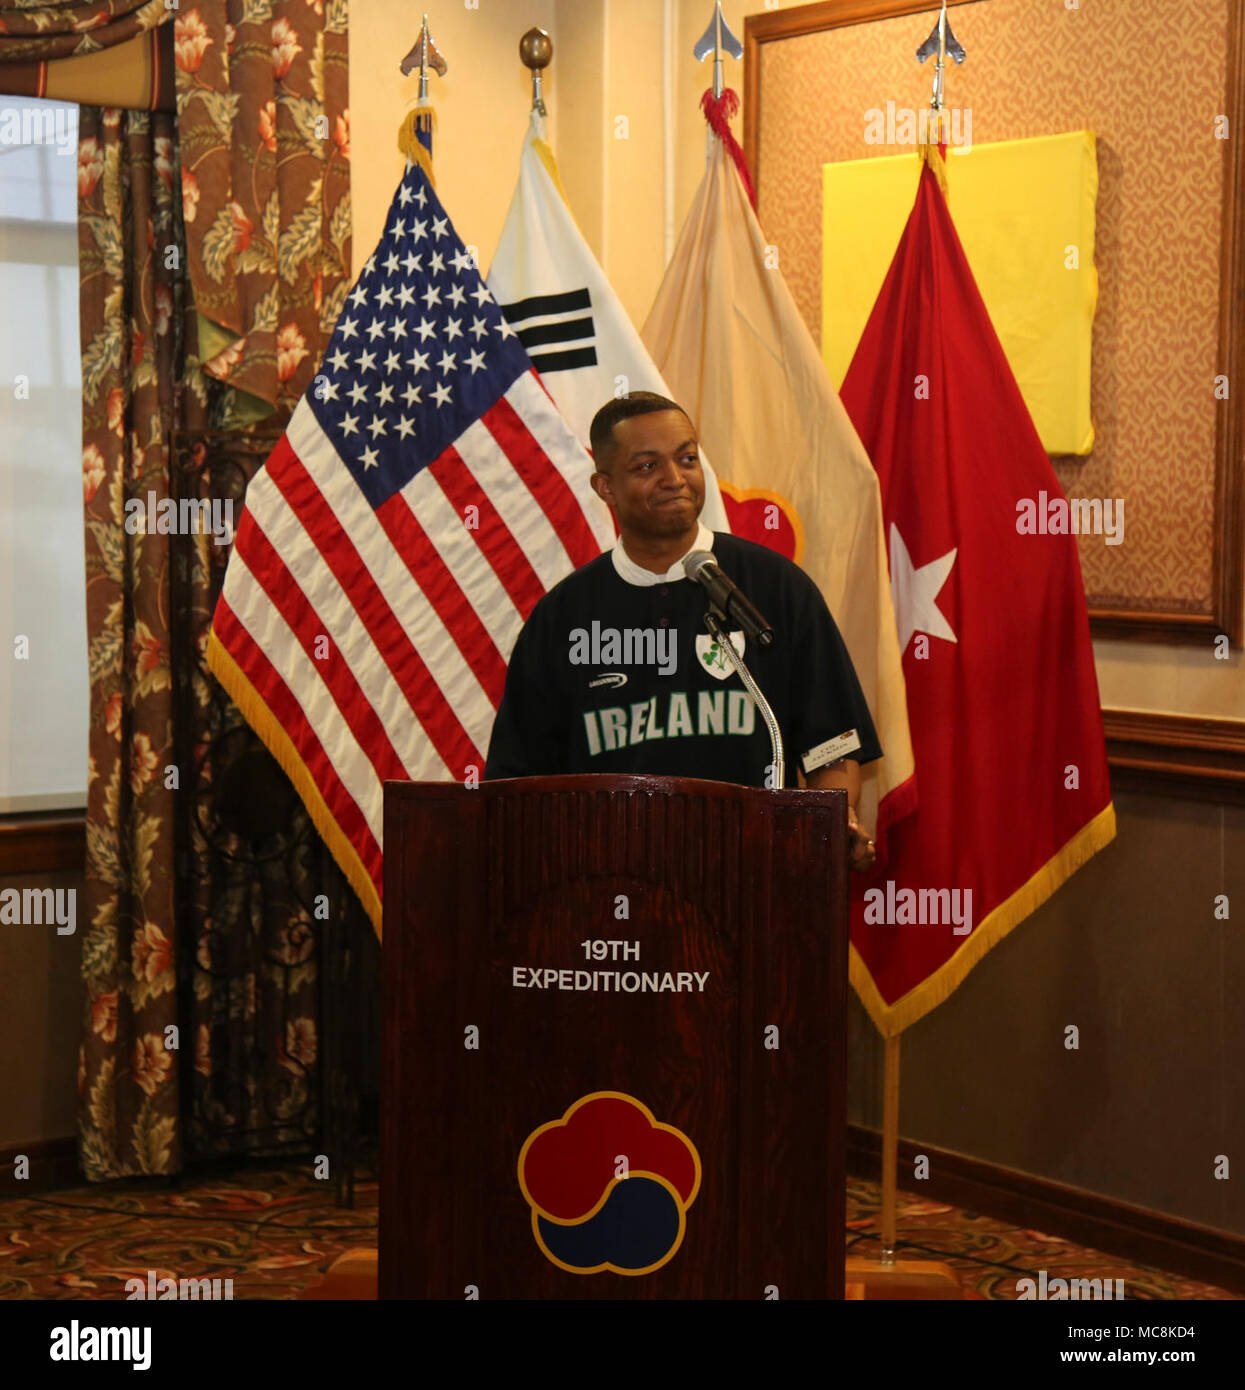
(861, 854)
(846, 774)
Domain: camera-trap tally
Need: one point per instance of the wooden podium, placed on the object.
(613, 1060)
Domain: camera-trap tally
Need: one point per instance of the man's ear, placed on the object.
(601, 486)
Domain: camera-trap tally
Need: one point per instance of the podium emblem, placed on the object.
(609, 1186)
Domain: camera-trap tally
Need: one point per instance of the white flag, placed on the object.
(556, 297)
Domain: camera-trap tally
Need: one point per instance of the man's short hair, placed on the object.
(612, 413)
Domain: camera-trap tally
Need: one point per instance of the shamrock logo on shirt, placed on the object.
(711, 656)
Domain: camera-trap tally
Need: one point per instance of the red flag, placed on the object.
(1011, 770)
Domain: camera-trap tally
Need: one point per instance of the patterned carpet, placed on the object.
(273, 1229)
(270, 1227)
(990, 1256)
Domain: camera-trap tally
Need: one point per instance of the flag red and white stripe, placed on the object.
(376, 589)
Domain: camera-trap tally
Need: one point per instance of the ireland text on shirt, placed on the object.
(718, 712)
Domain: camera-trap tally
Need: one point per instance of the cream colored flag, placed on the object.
(726, 335)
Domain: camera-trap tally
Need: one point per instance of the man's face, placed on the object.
(654, 482)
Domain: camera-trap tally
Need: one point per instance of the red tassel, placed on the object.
(718, 112)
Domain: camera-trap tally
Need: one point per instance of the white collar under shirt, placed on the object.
(638, 575)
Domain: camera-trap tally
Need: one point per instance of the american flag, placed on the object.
(425, 494)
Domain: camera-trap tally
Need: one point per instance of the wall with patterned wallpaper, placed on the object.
(1035, 67)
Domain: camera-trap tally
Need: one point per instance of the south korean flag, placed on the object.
(556, 297)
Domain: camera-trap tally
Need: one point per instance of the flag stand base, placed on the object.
(887, 1277)
(903, 1279)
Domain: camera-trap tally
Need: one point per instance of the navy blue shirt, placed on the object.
(610, 676)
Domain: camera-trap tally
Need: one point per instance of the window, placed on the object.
(44, 692)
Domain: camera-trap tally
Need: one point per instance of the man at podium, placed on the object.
(615, 672)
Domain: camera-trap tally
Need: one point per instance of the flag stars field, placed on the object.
(403, 296)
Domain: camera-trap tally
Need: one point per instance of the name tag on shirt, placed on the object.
(831, 751)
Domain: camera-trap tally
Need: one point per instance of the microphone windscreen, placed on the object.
(696, 561)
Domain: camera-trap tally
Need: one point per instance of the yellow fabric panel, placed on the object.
(1018, 206)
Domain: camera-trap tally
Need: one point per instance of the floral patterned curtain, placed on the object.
(262, 91)
(40, 30)
(134, 307)
(214, 257)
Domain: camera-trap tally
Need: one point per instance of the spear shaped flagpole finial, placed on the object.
(416, 132)
(536, 51)
(721, 103)
(940, 43)
(424, 55)
(717, 39)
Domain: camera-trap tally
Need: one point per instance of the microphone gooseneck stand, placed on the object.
(713, 621)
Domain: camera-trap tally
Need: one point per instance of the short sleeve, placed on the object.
(829, 711)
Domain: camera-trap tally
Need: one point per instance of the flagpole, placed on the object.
(415, 133)
(720, 103)
(716, 41)
(890, 1146)
(536, 53)
(889, 1277)
(424, 55)
(940, 45)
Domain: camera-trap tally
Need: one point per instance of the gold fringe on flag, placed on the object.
(421, 119)
(255, 711)
(891, 1019)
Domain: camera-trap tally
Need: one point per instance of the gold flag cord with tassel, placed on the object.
(933, 149)
(420, 120)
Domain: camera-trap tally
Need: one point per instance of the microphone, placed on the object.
(726, 596)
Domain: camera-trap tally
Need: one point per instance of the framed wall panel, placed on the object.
(1156, 83)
